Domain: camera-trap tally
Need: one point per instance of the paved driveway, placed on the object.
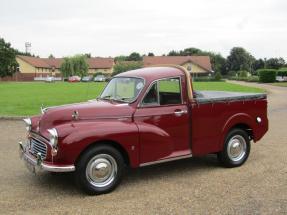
(193, 186)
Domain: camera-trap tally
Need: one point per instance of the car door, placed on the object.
(163, 122)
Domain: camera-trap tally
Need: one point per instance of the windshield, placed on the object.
(123, 89)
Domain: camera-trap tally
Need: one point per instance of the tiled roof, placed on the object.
(100, 62)
(35, 61)
(202, 61)
(94, 63)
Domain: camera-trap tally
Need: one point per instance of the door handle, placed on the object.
(179, 112)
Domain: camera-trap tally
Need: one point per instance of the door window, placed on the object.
(163, 92)
(151, 98)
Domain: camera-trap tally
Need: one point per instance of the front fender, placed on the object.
(77, 136)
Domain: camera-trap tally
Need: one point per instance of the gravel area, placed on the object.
(192, 186)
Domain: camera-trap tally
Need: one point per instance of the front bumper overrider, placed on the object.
(36, 163)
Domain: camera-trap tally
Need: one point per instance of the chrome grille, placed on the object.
(37, 146)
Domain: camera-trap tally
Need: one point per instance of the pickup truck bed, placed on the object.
(203, 97)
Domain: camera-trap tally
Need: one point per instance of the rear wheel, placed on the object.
(236, 148)
(99, 170)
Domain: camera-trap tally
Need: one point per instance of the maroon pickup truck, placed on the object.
(143, 117)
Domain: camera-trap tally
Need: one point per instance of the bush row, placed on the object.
(248, 79)
(205, 79)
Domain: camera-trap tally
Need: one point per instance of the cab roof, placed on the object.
(153, 73)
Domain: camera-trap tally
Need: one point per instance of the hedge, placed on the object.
(205, 79)
(267, 75)
(282, 72)
(248, 79)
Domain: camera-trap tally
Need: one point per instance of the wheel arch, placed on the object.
(107, 142)
(240, 121)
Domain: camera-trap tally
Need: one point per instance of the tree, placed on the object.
(258, 64)
(121, 66)
(218, 62)
(67, 67)
(51, 56)
(134, 57)
(120, 58)
(239, 59)
(275, 63)
(88, 55)
(150, 54)
(172, 53)
(8, 63)
(191, 51)
(80, 65)
(76, 65)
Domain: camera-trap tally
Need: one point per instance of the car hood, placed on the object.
(92, 110)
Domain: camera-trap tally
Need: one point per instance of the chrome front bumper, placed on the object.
(36, 163)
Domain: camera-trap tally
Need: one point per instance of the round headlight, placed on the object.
(258, 119)
(28, 124)
(53, 137)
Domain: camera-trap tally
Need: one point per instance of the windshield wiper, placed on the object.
(124, 99)
(105, 97)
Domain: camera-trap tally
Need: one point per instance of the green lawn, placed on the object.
(280, 84)
(21, 99)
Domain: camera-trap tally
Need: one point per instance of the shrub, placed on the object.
(205, 79)
(248, 79)
(243, 74)
(232, 73)
(267, 75)
(217, 76)
(253, 79)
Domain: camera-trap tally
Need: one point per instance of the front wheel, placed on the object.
(99, 170)
(236, 148)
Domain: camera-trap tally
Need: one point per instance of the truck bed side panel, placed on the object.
(212, 121)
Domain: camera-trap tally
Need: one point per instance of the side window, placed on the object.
(169, 91)
(163, 92)
(151, 98)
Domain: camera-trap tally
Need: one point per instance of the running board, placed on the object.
(166, 160)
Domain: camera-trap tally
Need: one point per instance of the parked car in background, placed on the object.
(100, 78)
(50, 79)
(87, 79)
(281, 78)
(74, 79)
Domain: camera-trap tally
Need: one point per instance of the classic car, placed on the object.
(100, 78)
(74, 78)
(87, 79)
(143, 117)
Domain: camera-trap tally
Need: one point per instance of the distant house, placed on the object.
(196, 65)
(31, 67)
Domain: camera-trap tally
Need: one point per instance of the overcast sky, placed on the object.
(110, 28)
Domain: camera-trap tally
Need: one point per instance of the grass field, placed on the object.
(280, 84)
(21, 99)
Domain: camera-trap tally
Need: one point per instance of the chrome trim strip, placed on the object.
(40, 164)
(152, 114)
(166, 160)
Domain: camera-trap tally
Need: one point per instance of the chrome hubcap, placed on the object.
(236, 148)
(101, 170)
